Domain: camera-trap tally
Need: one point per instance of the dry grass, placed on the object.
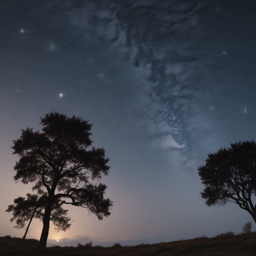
(223, 244)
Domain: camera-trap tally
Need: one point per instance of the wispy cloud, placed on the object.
(159, 38)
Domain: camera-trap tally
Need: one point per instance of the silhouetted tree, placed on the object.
(247, 228)
(62, 166)
(230, 175)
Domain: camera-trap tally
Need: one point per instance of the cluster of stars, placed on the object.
(51, 47)
(243, 112)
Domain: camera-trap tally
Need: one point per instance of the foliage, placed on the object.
(230, 175)
(22, 210)
(86, 245)
(247, 228)
(62, 165)
(202, 237)
(227, 234)
(116, 245)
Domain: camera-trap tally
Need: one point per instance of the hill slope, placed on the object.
(224, 244)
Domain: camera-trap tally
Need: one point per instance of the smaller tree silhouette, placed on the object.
(230, 176)
(247, 228)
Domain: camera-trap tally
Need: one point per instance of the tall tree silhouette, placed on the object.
(63, 166)
(230, 176)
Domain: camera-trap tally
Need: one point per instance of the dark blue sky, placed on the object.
(164, 83)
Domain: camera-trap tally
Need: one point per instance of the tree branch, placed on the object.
(46, 159)
(43, 180)
(73, 170)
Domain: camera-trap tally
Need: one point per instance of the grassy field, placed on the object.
(223, 244)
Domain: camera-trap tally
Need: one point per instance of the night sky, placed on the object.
(164, 84)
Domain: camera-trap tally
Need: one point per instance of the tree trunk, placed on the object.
(23, 239)
(46, 226)
(254, 217)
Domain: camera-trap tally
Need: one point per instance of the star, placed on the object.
(52, 47)
(61, 95)
(224, 53)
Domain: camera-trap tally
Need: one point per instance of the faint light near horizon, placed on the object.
(58, 241)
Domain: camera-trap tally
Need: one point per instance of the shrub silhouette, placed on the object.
(116, 245)
(247, 228)
(227, 234)
(87, 245)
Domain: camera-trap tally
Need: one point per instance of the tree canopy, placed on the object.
(230, 176)
(62, 165)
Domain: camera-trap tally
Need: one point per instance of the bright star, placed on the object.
(57, 241)
(61, 95)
